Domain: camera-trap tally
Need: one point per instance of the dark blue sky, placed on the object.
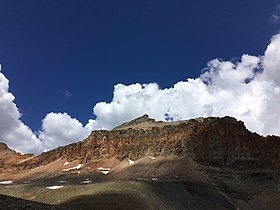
(86, 47)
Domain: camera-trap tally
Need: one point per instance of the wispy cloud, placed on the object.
(275, 16)
(67, 94)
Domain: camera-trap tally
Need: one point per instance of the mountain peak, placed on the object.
(145, 119)
(3, 146)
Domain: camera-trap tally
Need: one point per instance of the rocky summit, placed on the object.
(204, 162)
(210, 141)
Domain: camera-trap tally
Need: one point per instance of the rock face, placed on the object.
(4, 147)
(140, 121)
(9, 157)
(211, 141)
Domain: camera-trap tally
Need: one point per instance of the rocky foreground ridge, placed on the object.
(211, 141)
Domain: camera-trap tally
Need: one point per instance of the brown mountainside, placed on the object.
(211, 141)
(9, 157)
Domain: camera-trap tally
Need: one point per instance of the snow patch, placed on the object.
(130, 162)
(87, 181)
(6, 182)
(32, 169)
(54, 187)
(74, 168)
(152, 158)
(78, 166)
(104, 170)
(62, 181)
(66, 163)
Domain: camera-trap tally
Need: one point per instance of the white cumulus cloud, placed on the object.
(59, 129)
(12, 131)
(248, 89)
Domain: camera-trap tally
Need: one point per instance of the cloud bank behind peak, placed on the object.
(247, 89)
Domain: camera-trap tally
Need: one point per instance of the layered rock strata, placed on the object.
(211, 141)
